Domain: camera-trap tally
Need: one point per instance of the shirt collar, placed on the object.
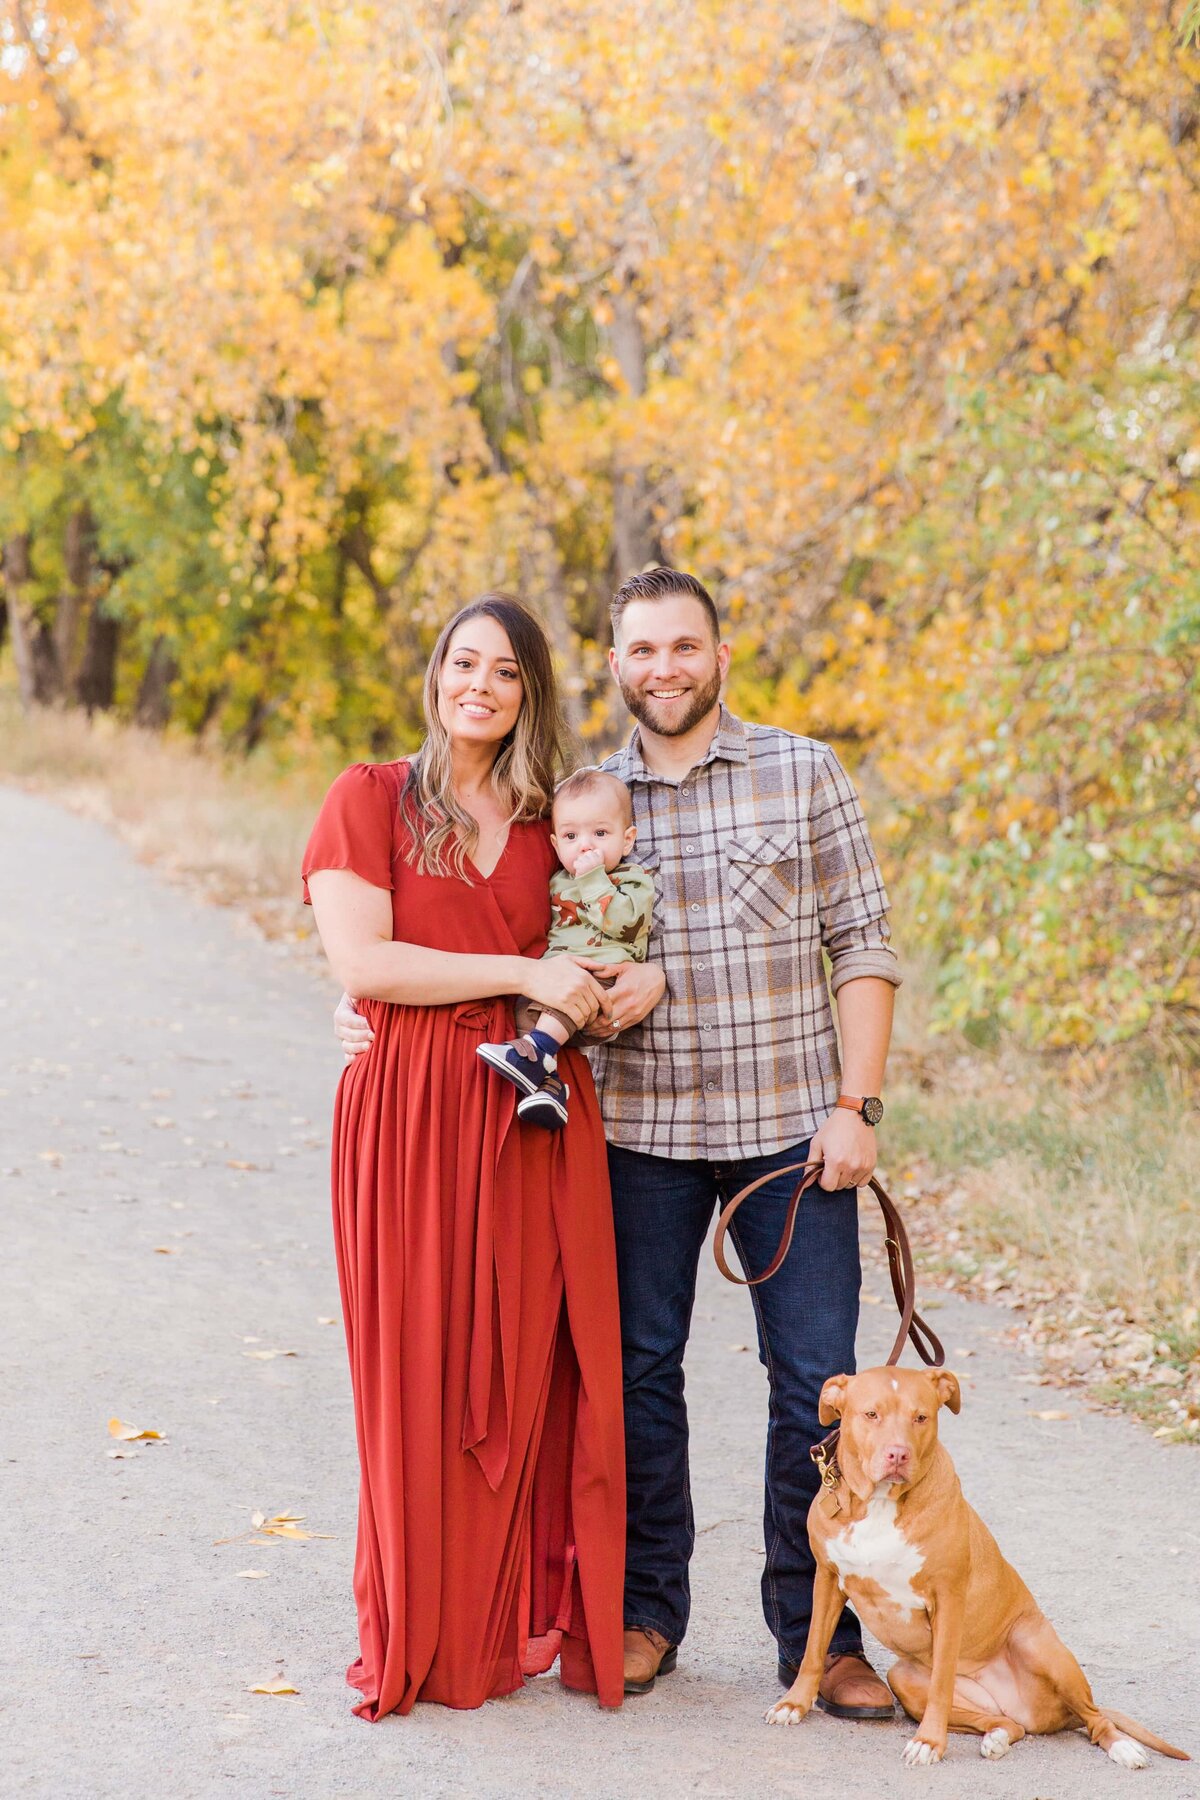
(729, 745)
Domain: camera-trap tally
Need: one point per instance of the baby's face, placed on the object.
(590, 832)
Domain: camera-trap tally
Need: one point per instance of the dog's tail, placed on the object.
(1132, 1729)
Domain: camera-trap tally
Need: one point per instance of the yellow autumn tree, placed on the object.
(316, 319)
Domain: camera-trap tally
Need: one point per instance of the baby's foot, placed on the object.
(548, 1107)
(520, 1062)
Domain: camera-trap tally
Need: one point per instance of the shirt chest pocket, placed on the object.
(763, 879)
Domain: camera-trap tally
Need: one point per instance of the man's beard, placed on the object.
(644, 709)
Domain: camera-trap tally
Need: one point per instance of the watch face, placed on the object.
(872, 1110)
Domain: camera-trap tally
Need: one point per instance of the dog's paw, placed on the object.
(995, 1742)
(1128, 1754)
(919, 1755)
(784, 1712)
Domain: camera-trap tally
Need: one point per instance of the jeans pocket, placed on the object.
(763, 880)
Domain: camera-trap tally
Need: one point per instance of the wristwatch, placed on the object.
(869, 1107)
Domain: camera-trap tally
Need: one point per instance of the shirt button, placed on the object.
(710, 1084)
(689, 848)
(697, 965)
(696, 908)
(706, 1028)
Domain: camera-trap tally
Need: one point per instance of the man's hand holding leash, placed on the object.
(847, 1146)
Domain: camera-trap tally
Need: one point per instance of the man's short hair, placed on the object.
(586, 781)
(661, 584)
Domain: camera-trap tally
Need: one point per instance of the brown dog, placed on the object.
(926, 1575)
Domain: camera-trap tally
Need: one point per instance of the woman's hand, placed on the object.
(563, 983)
(351, 1029)
(638, 987)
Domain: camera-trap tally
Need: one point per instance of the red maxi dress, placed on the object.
(479, 1291)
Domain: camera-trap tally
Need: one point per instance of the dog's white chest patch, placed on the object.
(875, 1547)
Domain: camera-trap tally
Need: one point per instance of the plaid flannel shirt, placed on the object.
(763, 860)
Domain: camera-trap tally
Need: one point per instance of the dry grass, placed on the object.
(236, 830)
(1068, 1195)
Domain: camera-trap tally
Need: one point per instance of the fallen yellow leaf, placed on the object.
(1052, 1415)
(252, 1574)
(284, 1525)
(279, 1525)
(163, 1250)
(321, 1321)
(117, 1428)
(268, 1355)
(272, 1687)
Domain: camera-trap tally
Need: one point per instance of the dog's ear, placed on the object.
(947, 1389)
(833, 1398)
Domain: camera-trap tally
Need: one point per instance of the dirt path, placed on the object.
(166, 1083)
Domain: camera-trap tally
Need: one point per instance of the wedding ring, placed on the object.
(616, 1023)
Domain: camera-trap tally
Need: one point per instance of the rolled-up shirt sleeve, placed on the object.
(852, 902)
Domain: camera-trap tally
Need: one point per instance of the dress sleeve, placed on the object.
(354, 827)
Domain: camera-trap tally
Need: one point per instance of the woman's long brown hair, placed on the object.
(527, 762)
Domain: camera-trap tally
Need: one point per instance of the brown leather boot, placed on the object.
(647, 1656)
(850, 1689)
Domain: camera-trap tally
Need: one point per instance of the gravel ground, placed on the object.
(166, 1080)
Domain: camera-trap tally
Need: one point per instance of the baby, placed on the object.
(600, 909)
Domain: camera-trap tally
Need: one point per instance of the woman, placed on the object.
(475, 1253)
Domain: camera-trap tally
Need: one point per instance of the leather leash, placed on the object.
(925, 1342)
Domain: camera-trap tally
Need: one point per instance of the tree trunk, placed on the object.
(153, 706)
(97, 680)
(543, 585)
(73, 602)
(251, 733)
(634, 538)
(33, 642)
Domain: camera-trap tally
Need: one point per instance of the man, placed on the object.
(763, 862)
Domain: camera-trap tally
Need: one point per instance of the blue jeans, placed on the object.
(807, 1315)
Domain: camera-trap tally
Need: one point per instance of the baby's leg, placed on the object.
(555, 1025)
(531, 1017)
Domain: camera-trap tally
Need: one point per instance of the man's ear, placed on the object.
(833, 1398)
(946, 1387)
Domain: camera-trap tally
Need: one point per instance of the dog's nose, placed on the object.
(896, 1459)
